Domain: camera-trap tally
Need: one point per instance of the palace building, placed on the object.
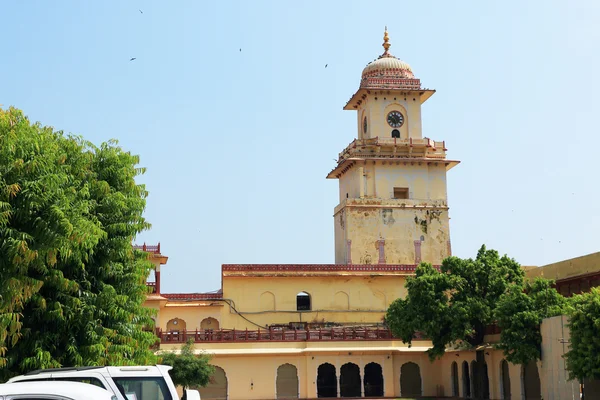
(309, 331)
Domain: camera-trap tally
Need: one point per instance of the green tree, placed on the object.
(582, 360)
(519, 314)
(189, 370)
(453, 306)
(71, 286)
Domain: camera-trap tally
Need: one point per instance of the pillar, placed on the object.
(157, 278)
(348, 251)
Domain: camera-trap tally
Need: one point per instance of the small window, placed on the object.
(422, 238)
(400, 193)
(396, 133)
(303, 301)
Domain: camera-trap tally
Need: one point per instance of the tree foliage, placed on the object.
(189, 370)
(519, 314)
(71, 286)
(455, 304)
(582, 359)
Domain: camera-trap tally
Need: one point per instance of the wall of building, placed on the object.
(339, 298)
(376, 108)
(400, 223)
(554, 377)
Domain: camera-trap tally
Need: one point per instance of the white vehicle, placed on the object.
(127, 383)
(53, 391)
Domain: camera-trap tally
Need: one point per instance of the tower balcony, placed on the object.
(394, 147)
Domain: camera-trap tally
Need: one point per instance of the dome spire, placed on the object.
(386, 42)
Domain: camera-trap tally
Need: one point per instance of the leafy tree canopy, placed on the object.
(519, 314)
(71, 286)
(582, 359)
(456, 303)
(189, 370)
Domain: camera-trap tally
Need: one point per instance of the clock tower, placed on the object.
(393, 205)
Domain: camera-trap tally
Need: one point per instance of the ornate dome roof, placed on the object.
(388, 72)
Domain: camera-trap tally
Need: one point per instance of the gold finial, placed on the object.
(386, 41)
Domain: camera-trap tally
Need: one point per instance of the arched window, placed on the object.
(303, 301)
(396, 133)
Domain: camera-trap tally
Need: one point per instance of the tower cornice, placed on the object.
(361, 95)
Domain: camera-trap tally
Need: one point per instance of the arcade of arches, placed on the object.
(352, 381)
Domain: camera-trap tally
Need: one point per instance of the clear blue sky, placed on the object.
(237, 144)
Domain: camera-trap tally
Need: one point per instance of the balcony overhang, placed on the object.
(347, 163)
(362, 93)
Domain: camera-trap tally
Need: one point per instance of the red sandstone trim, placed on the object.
(320, 267)
(192, 296)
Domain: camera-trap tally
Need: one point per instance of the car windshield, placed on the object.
(140, 388)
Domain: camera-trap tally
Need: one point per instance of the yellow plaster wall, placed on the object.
(349, 184)
(191, 314)
(573, 267)
(376, 107)
(367, 297)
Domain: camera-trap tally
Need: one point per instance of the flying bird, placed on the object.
(326, 65)
(131, 59)
(140, 11)
(240, 49)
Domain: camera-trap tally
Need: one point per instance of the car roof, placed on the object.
(74, 390)
(72, 372)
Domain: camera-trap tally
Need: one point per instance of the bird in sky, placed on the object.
(140, 11)
(131, 59)
(326, 65)
(240, 49)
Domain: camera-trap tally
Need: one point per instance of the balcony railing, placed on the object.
(148, 248)
(279, 335)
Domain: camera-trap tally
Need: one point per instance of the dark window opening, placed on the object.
(302, 301)
(400, 193)
(396, 133)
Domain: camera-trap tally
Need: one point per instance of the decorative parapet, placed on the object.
(243, 270)
(320, 267)
(192, 296)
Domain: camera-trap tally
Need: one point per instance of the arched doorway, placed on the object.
(531, 381)
(287, 382)
(349, 380)
(454, 374)
(410, 380)
(486, 382)
(326, 381)
(505, 380)
(217, 386)
(209, 323)
(466, 380)
(373, 380)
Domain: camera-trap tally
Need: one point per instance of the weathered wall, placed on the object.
(398, 221)
(366, 299)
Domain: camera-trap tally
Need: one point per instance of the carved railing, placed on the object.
(279, 335)
(148, 248)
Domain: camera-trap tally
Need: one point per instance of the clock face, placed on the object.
(365, 125)
(395, 119)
